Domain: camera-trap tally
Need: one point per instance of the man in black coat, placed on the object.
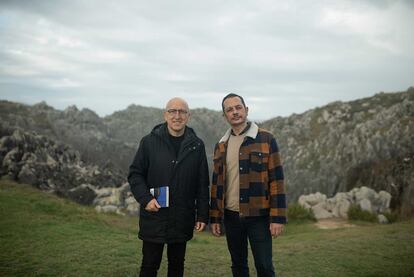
(171, 160)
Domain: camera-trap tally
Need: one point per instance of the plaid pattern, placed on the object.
(262, 191)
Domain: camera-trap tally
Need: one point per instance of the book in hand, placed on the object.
(162, 194)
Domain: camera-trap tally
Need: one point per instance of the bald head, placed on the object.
(177, 101)
(176, 115)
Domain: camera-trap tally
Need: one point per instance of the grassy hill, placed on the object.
(42, 235)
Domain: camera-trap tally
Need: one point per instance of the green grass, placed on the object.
(42, 235)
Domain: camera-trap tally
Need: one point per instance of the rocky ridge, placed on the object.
(110, 141)
(330, 149)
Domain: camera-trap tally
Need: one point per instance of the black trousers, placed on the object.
(152, 256)
(254, 230)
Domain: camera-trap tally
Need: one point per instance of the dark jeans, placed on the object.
(256, 230)
(152, 255)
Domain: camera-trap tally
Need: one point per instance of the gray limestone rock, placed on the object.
(27, 176)
(382, 219)
(320, 212)
(83, 194)
(338, 205)
(365, 205)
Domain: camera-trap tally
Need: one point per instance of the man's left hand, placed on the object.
(276, 229)
(199, 226)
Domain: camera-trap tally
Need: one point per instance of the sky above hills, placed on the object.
(284, 57)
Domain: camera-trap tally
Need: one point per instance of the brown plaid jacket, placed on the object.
(262, 191)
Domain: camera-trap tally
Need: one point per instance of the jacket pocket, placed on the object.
(152, 225)
(259, 161)
(185, 219)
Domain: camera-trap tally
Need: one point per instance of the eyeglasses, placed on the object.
(172, 112)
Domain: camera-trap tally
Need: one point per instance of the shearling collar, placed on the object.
(252, 132)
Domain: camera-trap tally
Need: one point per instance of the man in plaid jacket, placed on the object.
(247, 192)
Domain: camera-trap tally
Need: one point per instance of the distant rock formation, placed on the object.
(330, 149)
(107, 142)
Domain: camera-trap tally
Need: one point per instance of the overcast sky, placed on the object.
(284, 57)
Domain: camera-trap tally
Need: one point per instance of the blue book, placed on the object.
(162, 194)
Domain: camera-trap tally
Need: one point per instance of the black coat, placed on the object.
(155, 164)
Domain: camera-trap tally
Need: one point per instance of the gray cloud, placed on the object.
(284, 57)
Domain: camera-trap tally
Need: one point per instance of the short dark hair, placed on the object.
(231, 95)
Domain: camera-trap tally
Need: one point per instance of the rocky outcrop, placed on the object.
(394, 175)
(367, 142)
(119, 200)
(338, 206)
(54, 167)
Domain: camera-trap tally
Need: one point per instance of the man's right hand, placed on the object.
(215, 229)
(153, 206)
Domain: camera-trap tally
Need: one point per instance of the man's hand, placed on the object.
(153, 206)
(199, 226)
(276, 229)
(215, 229)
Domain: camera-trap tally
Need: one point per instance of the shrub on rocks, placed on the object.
(298, 213)
(355, 212)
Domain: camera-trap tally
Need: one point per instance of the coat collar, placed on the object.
(252, 132)
(161, 130)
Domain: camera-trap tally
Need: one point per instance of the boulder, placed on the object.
(365, 193)
(10, 164)
(342, 196)
(341, 208)
(83, 194)
(314, 198)
(106, 209)
(382, 219)
(320, 212)
(365, 205)
(6, 143)
(27, 176)
(109, 196)
(384, 200)
(330, 204)
(51, 163)
(131, 205)
(303, 203)
(12, 157)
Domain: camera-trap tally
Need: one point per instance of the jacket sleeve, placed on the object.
(203, 196)
(137, 176)
(276, 185)
(215, 213)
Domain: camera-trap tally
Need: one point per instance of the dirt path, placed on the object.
(333, 223)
